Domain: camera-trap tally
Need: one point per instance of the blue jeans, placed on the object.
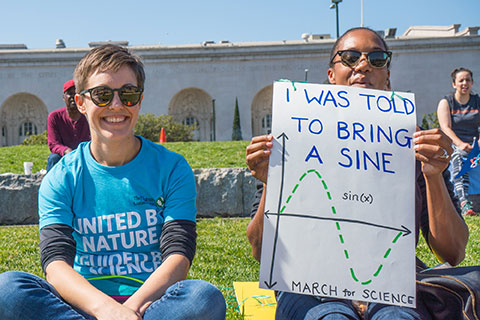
(461, 183)
(291, 306)
(26, 296)
(53, 158)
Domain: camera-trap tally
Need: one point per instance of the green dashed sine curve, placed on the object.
(338, 227)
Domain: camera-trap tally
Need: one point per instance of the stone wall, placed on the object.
(18, 198)
(226, 192)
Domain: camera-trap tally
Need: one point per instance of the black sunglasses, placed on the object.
(351, 58)
(102, 96)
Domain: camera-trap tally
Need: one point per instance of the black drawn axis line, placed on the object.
(270, 284)
(403, 229)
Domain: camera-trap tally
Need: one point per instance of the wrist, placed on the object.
(136, 305)
(433, 177)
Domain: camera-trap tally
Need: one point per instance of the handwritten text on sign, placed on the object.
(340, 198)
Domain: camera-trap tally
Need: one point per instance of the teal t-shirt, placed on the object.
(117, 213)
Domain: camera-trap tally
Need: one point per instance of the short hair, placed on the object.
(336, 44)
(108, 57)
(457, 70)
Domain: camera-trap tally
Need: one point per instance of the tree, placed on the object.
(36, 139)
(237, 130)
(430, 121)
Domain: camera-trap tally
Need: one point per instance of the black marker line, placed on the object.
(403, 229)
(270, 284)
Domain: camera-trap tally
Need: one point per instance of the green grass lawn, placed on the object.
(226, 154)
(223, 253)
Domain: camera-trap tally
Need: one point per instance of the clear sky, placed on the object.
(145, 22)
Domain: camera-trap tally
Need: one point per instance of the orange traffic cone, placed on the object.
(162, 136)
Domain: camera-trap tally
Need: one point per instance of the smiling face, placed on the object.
(463, 83)
(362, 75)
(115, 122)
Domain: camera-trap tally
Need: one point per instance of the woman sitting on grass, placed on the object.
(117, 216)
(459, 117)
(361, 58)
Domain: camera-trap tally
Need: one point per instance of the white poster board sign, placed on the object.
(340, 204)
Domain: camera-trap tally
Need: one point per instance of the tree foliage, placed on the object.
(430, 121)
(149, 126)
(36, 139)
(236, 130)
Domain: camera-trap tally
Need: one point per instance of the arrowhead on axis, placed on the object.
(283, 135)
(406, 231)
(270, 286)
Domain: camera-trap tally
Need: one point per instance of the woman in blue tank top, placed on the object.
(458, 115)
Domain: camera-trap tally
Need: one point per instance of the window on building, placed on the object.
(192, 121)
(27, 129)
(4, 136)
(267, 124)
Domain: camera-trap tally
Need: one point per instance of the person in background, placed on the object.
(117, 217)
(360, 58)
(458, 115)
(66, 127)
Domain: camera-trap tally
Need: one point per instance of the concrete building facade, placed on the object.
(199, 83)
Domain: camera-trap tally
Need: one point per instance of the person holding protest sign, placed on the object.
(459, 117)
(117, 216)
(361, 58)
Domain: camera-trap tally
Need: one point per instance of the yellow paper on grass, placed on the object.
(253, 302)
